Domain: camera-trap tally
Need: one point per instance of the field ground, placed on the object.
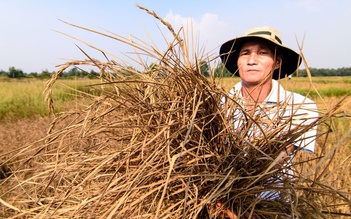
(14, 134)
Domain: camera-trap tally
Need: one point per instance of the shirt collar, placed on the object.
(273, 97)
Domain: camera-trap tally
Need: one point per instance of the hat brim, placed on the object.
(229, 53)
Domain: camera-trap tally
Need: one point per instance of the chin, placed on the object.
(253, 81)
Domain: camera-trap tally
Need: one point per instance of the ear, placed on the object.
(278, 62)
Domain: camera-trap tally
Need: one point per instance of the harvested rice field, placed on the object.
(23, 132)
(159, 143)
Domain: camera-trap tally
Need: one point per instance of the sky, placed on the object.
(30, 37)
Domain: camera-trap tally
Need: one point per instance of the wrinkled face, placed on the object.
(256, 62)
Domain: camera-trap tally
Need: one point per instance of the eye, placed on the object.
(264, 52)
(244, 52)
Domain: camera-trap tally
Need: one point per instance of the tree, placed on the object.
(3, 73)
(204, 69)
(15, 73)
(73, 72)
(93, 74)
(221, 71)
(155, 67)
(44, 74)
(33, 75)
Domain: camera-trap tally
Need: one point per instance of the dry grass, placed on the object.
(159, 143)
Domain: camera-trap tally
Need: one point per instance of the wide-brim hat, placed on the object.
(229, 51)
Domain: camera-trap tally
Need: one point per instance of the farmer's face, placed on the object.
(257, 62)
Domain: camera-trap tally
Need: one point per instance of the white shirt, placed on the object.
(281, 112)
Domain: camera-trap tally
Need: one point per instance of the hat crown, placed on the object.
(268, 33)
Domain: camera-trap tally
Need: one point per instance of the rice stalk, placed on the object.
(160, 143)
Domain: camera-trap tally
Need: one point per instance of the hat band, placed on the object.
(265, 33)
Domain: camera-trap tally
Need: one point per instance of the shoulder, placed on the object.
(294, 97)
(236, 89)
(304, 105)
(298, 98)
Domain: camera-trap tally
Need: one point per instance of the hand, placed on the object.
(226, 213)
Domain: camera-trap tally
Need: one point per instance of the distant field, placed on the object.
(25, 98)
(22, 99)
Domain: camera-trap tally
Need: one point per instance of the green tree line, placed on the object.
(71, 73)
(324, 72)
(218, 71)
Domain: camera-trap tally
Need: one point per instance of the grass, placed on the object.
(326, 86)
(25, 98)
(22, 99)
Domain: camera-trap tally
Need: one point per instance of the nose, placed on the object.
(252, 59)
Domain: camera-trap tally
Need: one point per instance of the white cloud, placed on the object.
(210, 30)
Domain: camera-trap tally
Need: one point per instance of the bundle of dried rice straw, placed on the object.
(158, 143)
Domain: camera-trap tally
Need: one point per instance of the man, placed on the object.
(260, 59)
